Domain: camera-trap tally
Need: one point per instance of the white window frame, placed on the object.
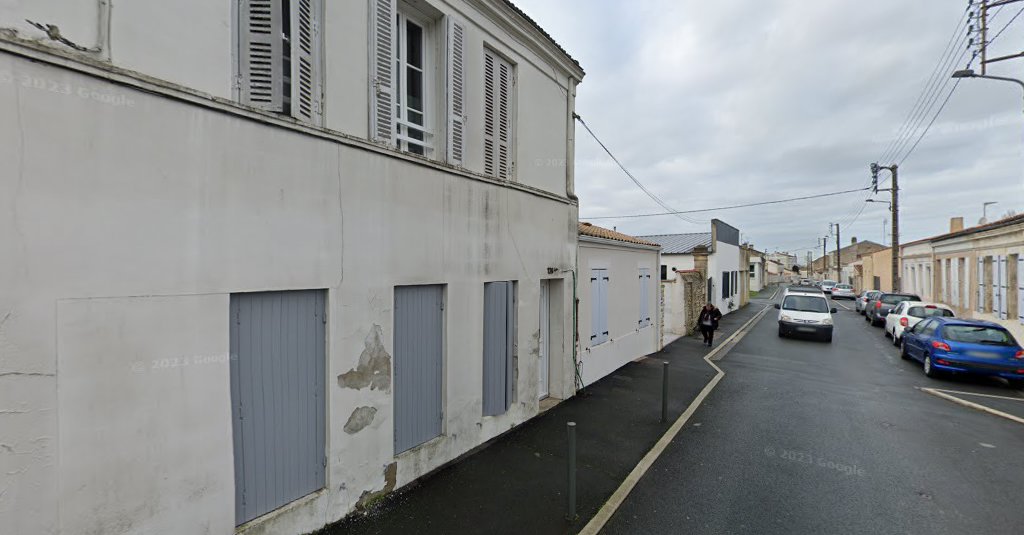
(405, 14)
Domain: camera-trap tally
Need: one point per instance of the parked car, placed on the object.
(827, 285)
(843, 291)
(805, 282)
(805, 313)
(879, 307)
(862, 302)
(964, 346)
(909, 313)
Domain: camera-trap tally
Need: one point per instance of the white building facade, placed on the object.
(619, 301)
(269, 268)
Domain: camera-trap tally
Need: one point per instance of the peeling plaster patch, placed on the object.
(374, 369)
(360, 418)
(535, 346)
(368, 498)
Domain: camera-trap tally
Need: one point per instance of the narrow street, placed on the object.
(807, 437)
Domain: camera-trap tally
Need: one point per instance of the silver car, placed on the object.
(843, 291)
(862, 302)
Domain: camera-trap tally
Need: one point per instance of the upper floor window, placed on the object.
(278, 66)
(413, 73)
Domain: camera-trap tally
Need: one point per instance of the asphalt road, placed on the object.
(806, 437)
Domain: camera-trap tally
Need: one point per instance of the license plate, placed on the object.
(983, 354)
(805, 329)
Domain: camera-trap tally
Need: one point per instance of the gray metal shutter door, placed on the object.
(496, 361)
(278, 366)
(419, 331)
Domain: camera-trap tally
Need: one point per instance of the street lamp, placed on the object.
(886, 202)
(969, 73)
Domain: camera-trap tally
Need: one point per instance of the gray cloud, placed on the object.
(729, 102)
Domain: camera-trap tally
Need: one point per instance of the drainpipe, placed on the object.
(103, 31)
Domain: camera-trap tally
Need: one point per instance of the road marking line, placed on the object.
(840, 304)
(976, 394)
(777, 288)
(973, 405)
(615, 501)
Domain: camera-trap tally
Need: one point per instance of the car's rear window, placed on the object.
(978, 334)
(892, 299)
(844, 286)
(925, 312)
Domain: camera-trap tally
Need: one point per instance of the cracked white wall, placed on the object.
(128, 219)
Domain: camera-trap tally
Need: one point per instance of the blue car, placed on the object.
(945, 344)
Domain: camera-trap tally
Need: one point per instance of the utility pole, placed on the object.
(895, 228)
(839, 257)
(824, 258)
(895, 209)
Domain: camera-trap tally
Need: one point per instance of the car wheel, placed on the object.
(828, 338)
(895, 341)
(1016, 383)
(885, 333)
(903, 351)
(930, 370)
(867, 317)
(782, 334)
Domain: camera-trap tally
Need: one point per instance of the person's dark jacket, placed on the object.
(715, 315)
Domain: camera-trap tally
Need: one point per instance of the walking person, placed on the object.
(707, 322)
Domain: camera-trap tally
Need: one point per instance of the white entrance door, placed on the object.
(544, 351)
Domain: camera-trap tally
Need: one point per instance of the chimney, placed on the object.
(853, 240)
(956, 224)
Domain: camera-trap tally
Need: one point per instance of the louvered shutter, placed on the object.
(260, 75)
(995, 285)
(981, 284)
(1020, 288)
(490, 141)
(499, 81)
(382, 54)
(456, 90)
(595, 307)
(1002, 288)
(306, 88)
(954, 283)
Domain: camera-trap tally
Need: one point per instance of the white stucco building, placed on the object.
(256, 239)
(725, 266)
(620, 310)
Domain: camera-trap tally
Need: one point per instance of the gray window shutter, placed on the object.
(490, 130)
(981, 284)
(259, 58)
(306, 82)
(499, 79)
(505, 80)
(456, 91)
(382, 54)
(1020, 288)
(1004, 293)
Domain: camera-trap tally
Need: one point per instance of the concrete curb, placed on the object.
(615, 501)
(975, 406)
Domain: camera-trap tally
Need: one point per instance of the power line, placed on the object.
(633, 178)
(1005, 26)
(936, 116)
(762, 203)
(932, 79)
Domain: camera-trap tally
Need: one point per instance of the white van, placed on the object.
(805, 313)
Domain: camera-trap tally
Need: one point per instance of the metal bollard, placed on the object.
(664, 391)
(571, 428)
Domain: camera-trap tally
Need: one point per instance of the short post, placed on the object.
(571, 428)
(664, 391)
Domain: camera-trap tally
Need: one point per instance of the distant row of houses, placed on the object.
(978, 271)
(265, 274)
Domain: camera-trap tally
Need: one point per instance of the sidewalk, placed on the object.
(517, 484)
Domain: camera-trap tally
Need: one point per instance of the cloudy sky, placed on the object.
(718, 103)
